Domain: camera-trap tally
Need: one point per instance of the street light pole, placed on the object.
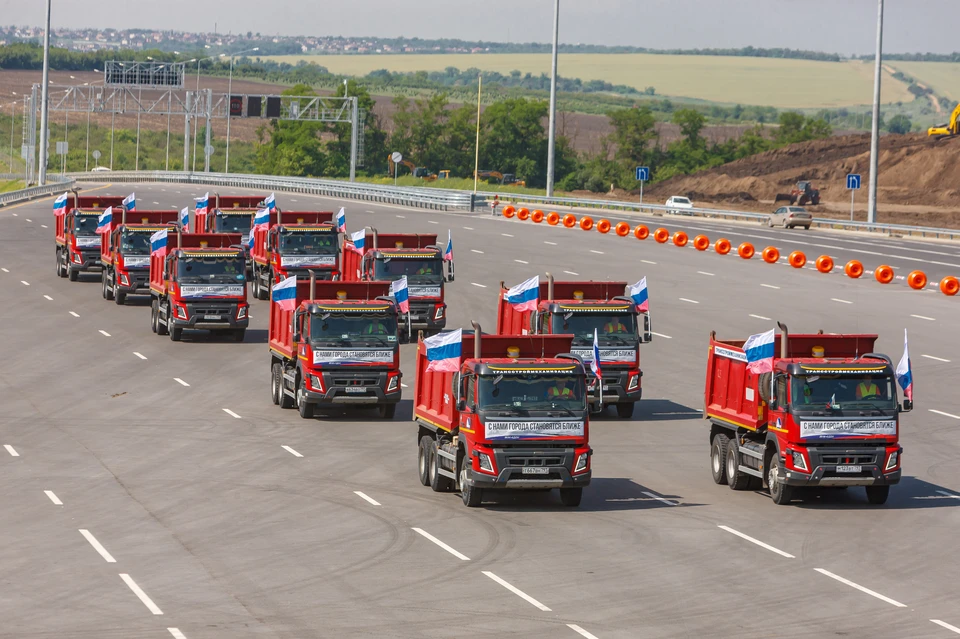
(875, 129)
(226, 161)
(44, 97)
(552, 133)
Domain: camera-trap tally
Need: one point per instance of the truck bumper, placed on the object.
(615, 390)
(423, 317)
(511, 462)
(88, 261)
(139, 283)
(222, 316)
(372, 389)
(823, 461)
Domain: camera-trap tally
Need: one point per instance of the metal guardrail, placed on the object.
(12, 197)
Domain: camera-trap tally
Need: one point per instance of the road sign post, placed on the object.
(853, 184)
(397, 157)
(643, 174)
(96, 157)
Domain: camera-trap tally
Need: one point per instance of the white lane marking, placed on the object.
(476, 251)
(939, 359)
(683, 299)
(836, 299)
(659, 498)
(572, 273)
(139, 355)
(28, 219)
(944, 624)
(705, 273)
(580, 631)
(4, 270)
(521, 261)
(757, 542)
(74, 314)
(53, 497)
(661, 335)
(453, 551)
(152, 607)
(97, 546)
(480, 285)
(770, 286)
(597, 252)
(366, 497)
(15, 215)
(432, 222)
(11, 450)
(402, 217)
(290, 450)
(550, 243)
(647, 262)
(176, 631)
(180, 381)
(516, 591)
(468, 228)
(44, 226)
(48, 297)
(760, 317)
(867, 591)
(104, 333)
(946, 494)
(506, 235)
(231, 413)
(25, 283)
(924, 317)
(940, 412)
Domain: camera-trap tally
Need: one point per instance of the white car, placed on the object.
(98, 169)
(677, 202)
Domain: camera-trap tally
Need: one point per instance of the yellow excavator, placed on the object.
(502, 178)
(416, 171)
(949, 130)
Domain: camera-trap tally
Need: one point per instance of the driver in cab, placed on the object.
(614, 325)
(375, 327)
(559, 390)
(867, 389)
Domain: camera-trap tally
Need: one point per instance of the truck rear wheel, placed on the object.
(153, 316)
(255, 285)
(305, 407)
(471, 495)
(570, 497)
(275, 381)
(285, 400)
(438, 482)
(161, 327)
(736, 479)
(625, 410)
(60, 270)
(779, 492)
(387, 411)
(718, 458)
(423, 460)
(877, 495)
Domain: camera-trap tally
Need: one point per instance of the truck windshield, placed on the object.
(85, 225)
(211, 270)
(308, 243)
(521, 393)
(135, 243)
(235, 223)
(838, 392)
(613, 329)
(353, 329)
(426, 270)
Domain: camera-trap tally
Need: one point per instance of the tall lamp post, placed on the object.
(197, 97)
(875, 128)
(226, 163)
(44, 97)
(552, 133)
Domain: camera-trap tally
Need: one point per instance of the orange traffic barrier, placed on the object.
(824, 264)
(552, 218)
(680, 239)
(701, 242)
(586, 223)
(523, 214)
(771, 255)
(641, 232)
(537, 216)
(949, 285)
(797, 259)
(622, 229)
(661, 235)
(746, 250)
(569, 220)
(853, 269)
(603, 226)
(917, 279)
(722, 246)
(509, 211)
(883, 274)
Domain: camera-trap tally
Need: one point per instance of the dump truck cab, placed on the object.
(125, 252)
(230, 214)
(292, 244)
(75, 228)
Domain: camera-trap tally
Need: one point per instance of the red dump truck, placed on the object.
(827, 415)
(125, 252)
(230, 214)
(579, 308)
(498, 422)
(390, 256)
(294, 243)
(334, 343)
(197, 281)
(75, 224)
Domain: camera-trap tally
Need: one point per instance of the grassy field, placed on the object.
(942, 77)
(10, 185)
(730, 80)
(459, 184)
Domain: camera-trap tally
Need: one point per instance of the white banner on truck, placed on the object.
(88, 242)
(339, 356)
(424, 291)
(308, 260)
(740, 356)
(212, 290)
(606, 355)
(529, 429)
(133, 261)
(830, 429)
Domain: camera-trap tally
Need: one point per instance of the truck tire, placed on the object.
(176, 333)
(263, 290)
(779, 492)
(162, 329)
(423, 460)
(305, 407)
(239, 334)
(387, 411)
(119, 297)
(103, 285)
(285, 400)
(60, 271)
(153, 316)
(570, 497)
(471, 495)
(72, 275)
(108, 289)
(438, 482)
(736, 479)
(877, 495)
(718, 458)
(275, 381)
(255, 285)
(625, 410)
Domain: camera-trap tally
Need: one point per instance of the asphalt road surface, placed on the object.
(151, 488)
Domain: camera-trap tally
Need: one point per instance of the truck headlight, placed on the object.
(634, 383)
(242, 313)
(316, 383)
(393, 384)
(438, 313)
(485, 464)
(124, 280)
(77, 259)
(582, 462)
(893, 460)
(799, 461)
(180, 312)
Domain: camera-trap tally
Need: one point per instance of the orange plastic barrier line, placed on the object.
(661, 235)
(553, 218)
(701, 242)
(569, 220)
(603, 226)
(509, 211)
(722, 246)
(537, 216)
(586, 223)
(797, 259)
(853, 269)
(771, 255)
(622, 229)
(917, 280)
(824, 264)
(641, 232)
(680, 239)
(883, 274)
(949, 285)
(746, 250)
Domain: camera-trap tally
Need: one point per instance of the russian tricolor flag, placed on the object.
(285, 294)
(443, 351)
(158, 243)
(358, 240)
(448, 253)
(185, 218)
(342, 220)
(595, 364)
(638, 293)
(398, 289)
(202, 203)
(270, 203)
(103, 222)
(130, 202)
(260, 221)
(60, 205)
(526, 295)
(905, 371)
(759, 350)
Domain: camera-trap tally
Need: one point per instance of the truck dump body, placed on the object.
(78, 246)
(125, 252)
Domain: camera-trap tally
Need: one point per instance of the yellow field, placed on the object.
(758, 81)
(942, 77)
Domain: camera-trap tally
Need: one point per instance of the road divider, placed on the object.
(622, 229)
(641, 232)
(523, 214)
(569, 220)
(949, 285)
(661, 235)
(797, 259)
(586, 223)
(701, 242)
(824, 264)
(509, 211)
(746, 250)
(722, 246)
(770, 255)
(883, 274)
(603, 226)
(553, 218)
(853, 269)
(680, 239)
(917, 280)
(537, 216)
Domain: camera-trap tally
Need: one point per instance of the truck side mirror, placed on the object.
(907, 406)
(647, 335)
(534, 318)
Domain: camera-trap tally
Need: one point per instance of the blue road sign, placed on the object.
(853, 181)
(643, 173)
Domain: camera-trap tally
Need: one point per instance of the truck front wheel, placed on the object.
(877, 495)
(625, 410)
(718, 458)
(423, 460)
(305, 407)
(570, 497)
(387, 411)
(72, 275)
(779, 492)
(736, 479)
(471, 495)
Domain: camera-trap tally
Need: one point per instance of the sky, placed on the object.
(841, 26)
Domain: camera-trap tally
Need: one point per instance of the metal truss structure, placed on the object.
(149, 74)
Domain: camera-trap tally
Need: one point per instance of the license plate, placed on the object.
(605, 387)
(356, 389)
(212, 317)
(535, 470)
(849, 469)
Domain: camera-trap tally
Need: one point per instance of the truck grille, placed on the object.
(534, 461)
(211, 310)
(857, 460)
(354, 381)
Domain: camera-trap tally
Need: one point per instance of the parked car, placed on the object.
(677, 203)
(790, 216)
(98, 169)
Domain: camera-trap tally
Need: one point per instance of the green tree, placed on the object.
(899, 124)
(633, 134)
(513, 138)
(691, 122)
(294, 148)
(374, 140)
(791, 127)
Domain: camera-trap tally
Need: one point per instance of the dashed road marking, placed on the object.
(660, 335)
(516, 591)
(139, 355)
(25, 283)
(180, 381)
(647, 262)
(28, 219)
(480, 285)
(550, 243)
(683, 299)
(47, 297)
(580, 631)
(53, 497)
(44, 226)
(152, 607)
(757, 542)
(97, 546)
(659, 498)
(939, 359)
(837, 299)
(940, 412)
(760, 317)
(867, 591)
(176, 631)
(402, 217)
(366, 497)
(402, 385)
(506, 235)
(4, 270)
(924, 317)
(104, 333)
(74, 314)
(231, 413)
(946, 494)
(572, 273)
(453, 551)
(290, 450)
(705, 273)
(597, 252)
(10, 449)
(468, 228)
(770, 286)
(944, 624)
(432, 222)
(521, 261)
(476, 251)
